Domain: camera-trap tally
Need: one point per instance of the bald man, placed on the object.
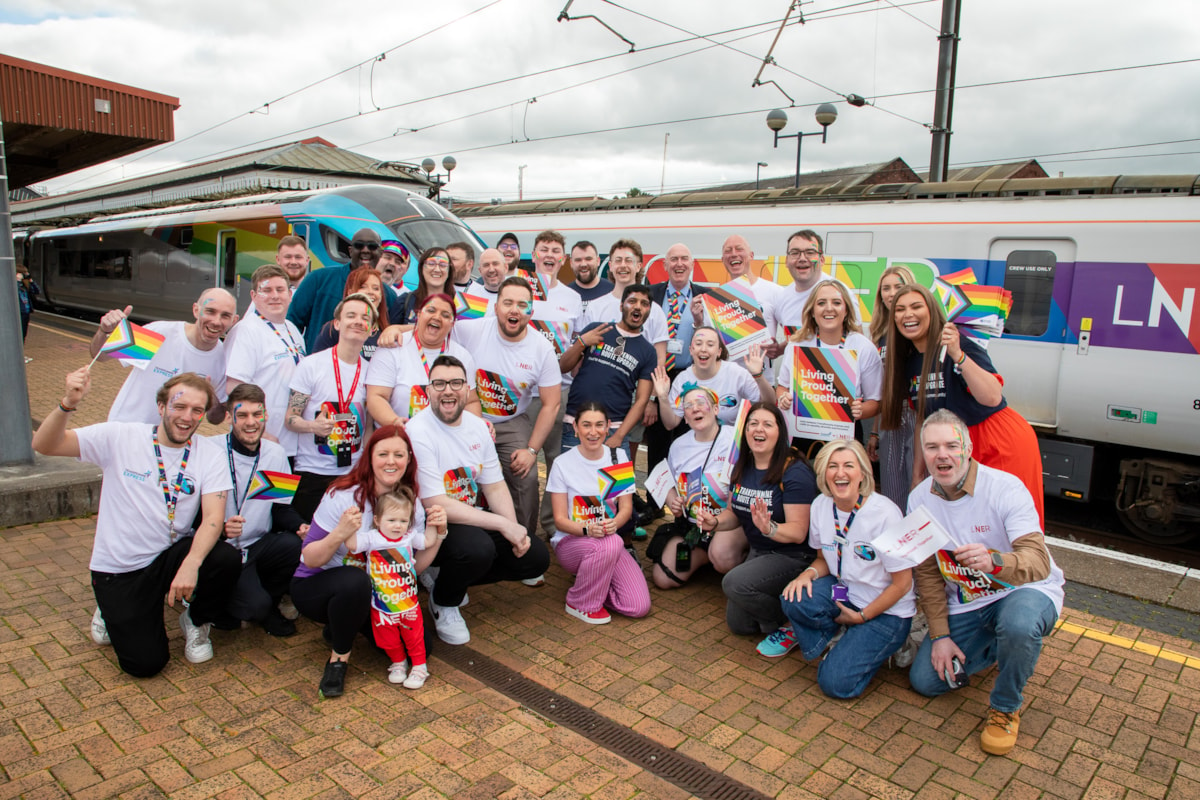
(738, 259)
(187, 347)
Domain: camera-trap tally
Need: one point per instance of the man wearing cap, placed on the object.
(510, 248)
(393, 263)
(321, 291)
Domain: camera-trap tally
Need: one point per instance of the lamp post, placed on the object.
(777, 121)
(448, 164)
(757, 171)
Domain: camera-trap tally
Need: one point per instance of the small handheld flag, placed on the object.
(132, 343)
(278, 487)
(617, 480)
(471, 306)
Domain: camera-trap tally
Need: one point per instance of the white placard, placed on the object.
(660, 482)
(913, 539)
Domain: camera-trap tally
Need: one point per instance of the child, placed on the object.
(395, 612)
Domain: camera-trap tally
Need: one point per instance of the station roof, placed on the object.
(57, 122)
(894, 171)
(1010, 169)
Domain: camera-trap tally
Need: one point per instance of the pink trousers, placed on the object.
(605, 576)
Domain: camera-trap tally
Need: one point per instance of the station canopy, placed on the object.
(57, 122)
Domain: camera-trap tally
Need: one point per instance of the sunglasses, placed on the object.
(372, 246)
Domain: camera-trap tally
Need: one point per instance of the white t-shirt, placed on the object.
(687, 455)
(579, 479)
(732, 384)
(509, 370)
(267, 358)
(132, 527)
(607, 309)
(455, 461)
(136, 400)
(865, 571)
(402, 370)
(870, 366)
(257, 513)
(316, 378)
(1000, 512)
(789, 307)
(562, 304)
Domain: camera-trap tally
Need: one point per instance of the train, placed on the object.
(1101, 352)
(160, 260)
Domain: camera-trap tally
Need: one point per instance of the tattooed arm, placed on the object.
(295, 421)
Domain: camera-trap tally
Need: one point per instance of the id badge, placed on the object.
(674, 346)
(345, 454)
(841, 593)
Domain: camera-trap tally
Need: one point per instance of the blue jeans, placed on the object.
(569, 439)
(1007, 633)
(858, 655)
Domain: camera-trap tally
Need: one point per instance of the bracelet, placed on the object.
(863, 617)
(772, 529)
(943, 636)
(757, 374)
(874, 435)
(66, 409)
(814, 571)
(961, 359)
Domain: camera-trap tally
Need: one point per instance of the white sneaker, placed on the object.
(398, 672)
(540, 580)
(288, 609)
(451, 627)
(99, 629)
(197, 648)
(416, 678)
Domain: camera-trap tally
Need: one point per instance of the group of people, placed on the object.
(412, 437)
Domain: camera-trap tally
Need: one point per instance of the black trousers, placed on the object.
(309, 493)
(131, 602)
(339, 597)
(266, 575)
(471, 556)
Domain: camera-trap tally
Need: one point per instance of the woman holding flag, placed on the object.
(591, 493)
(930, 366)
(398, 376)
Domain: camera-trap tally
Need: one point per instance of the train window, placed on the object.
(1029, 275)
(336, 245)
(230, 264)
(420, 234)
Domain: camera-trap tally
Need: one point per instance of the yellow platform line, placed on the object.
(1154, 650)
(58, 332)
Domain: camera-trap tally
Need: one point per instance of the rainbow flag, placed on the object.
(739, 427)
(132, 343)
(737, 316)
(951, 297)
(471, 306)
(617, 480)
(278, 487)
(979, 310)
(964, 275)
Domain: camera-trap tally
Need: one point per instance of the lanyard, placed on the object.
(237, 504)
(421, 352)
(289, 343)
(840, 344)
(343, 403)
(704, 467)
(841, 535)
(171, 491)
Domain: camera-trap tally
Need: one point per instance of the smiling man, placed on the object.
(805, 256)
(187, 347)
(585, 263)
(157, 478)
(291, 255)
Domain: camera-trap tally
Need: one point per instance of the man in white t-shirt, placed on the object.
(187, 347)
(459, 470)
(995, 592)
(738, 259)
(264, 349)
(492, 272)
(512, 360)
(805, 254)
(156, 479)
(264, 532)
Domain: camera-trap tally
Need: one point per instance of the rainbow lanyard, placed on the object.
(841, 535)
(421, 353)
(839, 345)
(171, 491)
(237, 504)
(294, 350)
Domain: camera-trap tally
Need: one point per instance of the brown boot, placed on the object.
(1000, 734)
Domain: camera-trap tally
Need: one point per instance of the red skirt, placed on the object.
(1006, 441)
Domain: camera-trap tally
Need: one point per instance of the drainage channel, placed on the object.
(686, 773)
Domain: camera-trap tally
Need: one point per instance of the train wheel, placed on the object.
(1155, 501)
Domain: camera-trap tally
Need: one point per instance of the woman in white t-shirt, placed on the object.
(730, 382)
(398, 377)
(700, 462)
(853, 597)
(587, 526)
(829, 321)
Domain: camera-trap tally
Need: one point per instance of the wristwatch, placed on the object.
(997, 563)
(532, 450)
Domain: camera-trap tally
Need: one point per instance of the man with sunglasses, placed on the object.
(321, 291)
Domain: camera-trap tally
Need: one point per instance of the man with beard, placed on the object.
(510, 248)
(462, 264)
(459, 470)
(264, 349)
(585, 263)
(156, 479)
(291, 255)
(264, 532)
(319, 293)
(804, 257)
(187, 347)
(512, 362)
(616, 365)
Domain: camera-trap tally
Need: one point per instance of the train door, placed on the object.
(1039, 274)
(227, 259)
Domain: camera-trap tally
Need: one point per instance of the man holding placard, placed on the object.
(994, 591)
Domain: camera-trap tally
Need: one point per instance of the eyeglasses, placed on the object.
(698, 405)
(440, 385)
(437, 262)
(809, 254)
(372, 246)
(508, 246)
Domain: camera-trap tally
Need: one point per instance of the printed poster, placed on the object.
(737, 316)
(912, 539)
(824, 384)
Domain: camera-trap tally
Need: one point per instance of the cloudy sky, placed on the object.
(500, 84)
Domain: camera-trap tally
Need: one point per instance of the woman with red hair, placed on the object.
(330, 585)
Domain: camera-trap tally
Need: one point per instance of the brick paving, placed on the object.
(1111, 711)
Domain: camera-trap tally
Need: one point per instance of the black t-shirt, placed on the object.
(948, 389)
(610, 378)
(601, 288)
(799, 487)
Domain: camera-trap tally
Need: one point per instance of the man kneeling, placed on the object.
(992, 596)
